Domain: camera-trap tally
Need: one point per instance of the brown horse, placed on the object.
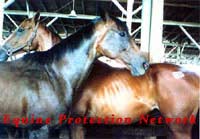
(31, 35)
(114, 92)
(35, 81)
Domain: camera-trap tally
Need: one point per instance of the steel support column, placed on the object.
(146, 25)
(1, 20)
(152, 28)
(156, 46)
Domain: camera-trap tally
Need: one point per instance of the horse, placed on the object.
(37, 78)
(112, 92)
(31, 35)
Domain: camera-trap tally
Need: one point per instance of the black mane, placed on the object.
(56, 52)
(121, 25)
(69, 44)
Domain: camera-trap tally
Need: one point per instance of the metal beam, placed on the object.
(12, 20)
(8, 3)
(120, 7)
(170, 4)
(136, 30)
(189, 36)
(90, 17)
(52, 21)
(137, 10)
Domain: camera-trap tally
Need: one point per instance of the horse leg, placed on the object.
(64, 133)
(42, 133)
(12, 133)
(180, 131)
(77, 131)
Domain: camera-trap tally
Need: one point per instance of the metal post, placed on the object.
(156, 31)
(129, 14)
(146, 25)
(1, 20)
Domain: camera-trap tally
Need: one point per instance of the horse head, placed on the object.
(21, 37)
(121, 46)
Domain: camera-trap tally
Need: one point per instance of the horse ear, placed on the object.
(36, 17)
(104, 14)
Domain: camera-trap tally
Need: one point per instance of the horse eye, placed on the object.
(122, 33)
(20, 30)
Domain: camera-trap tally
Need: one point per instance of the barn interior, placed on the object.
(169, 30)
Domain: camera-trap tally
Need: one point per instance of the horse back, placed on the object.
(176, 89)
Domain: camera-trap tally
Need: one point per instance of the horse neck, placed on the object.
(44, 39)
(76, 63)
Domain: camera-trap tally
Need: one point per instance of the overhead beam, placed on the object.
(166, 3)
(8, 3)
(90, 17)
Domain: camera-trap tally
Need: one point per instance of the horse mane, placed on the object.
(69, 44)
(121, 25)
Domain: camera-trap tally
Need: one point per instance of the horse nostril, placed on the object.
(146, 65)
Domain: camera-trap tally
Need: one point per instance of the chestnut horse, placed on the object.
(109, 91)
(31, 35)
(30, 85)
